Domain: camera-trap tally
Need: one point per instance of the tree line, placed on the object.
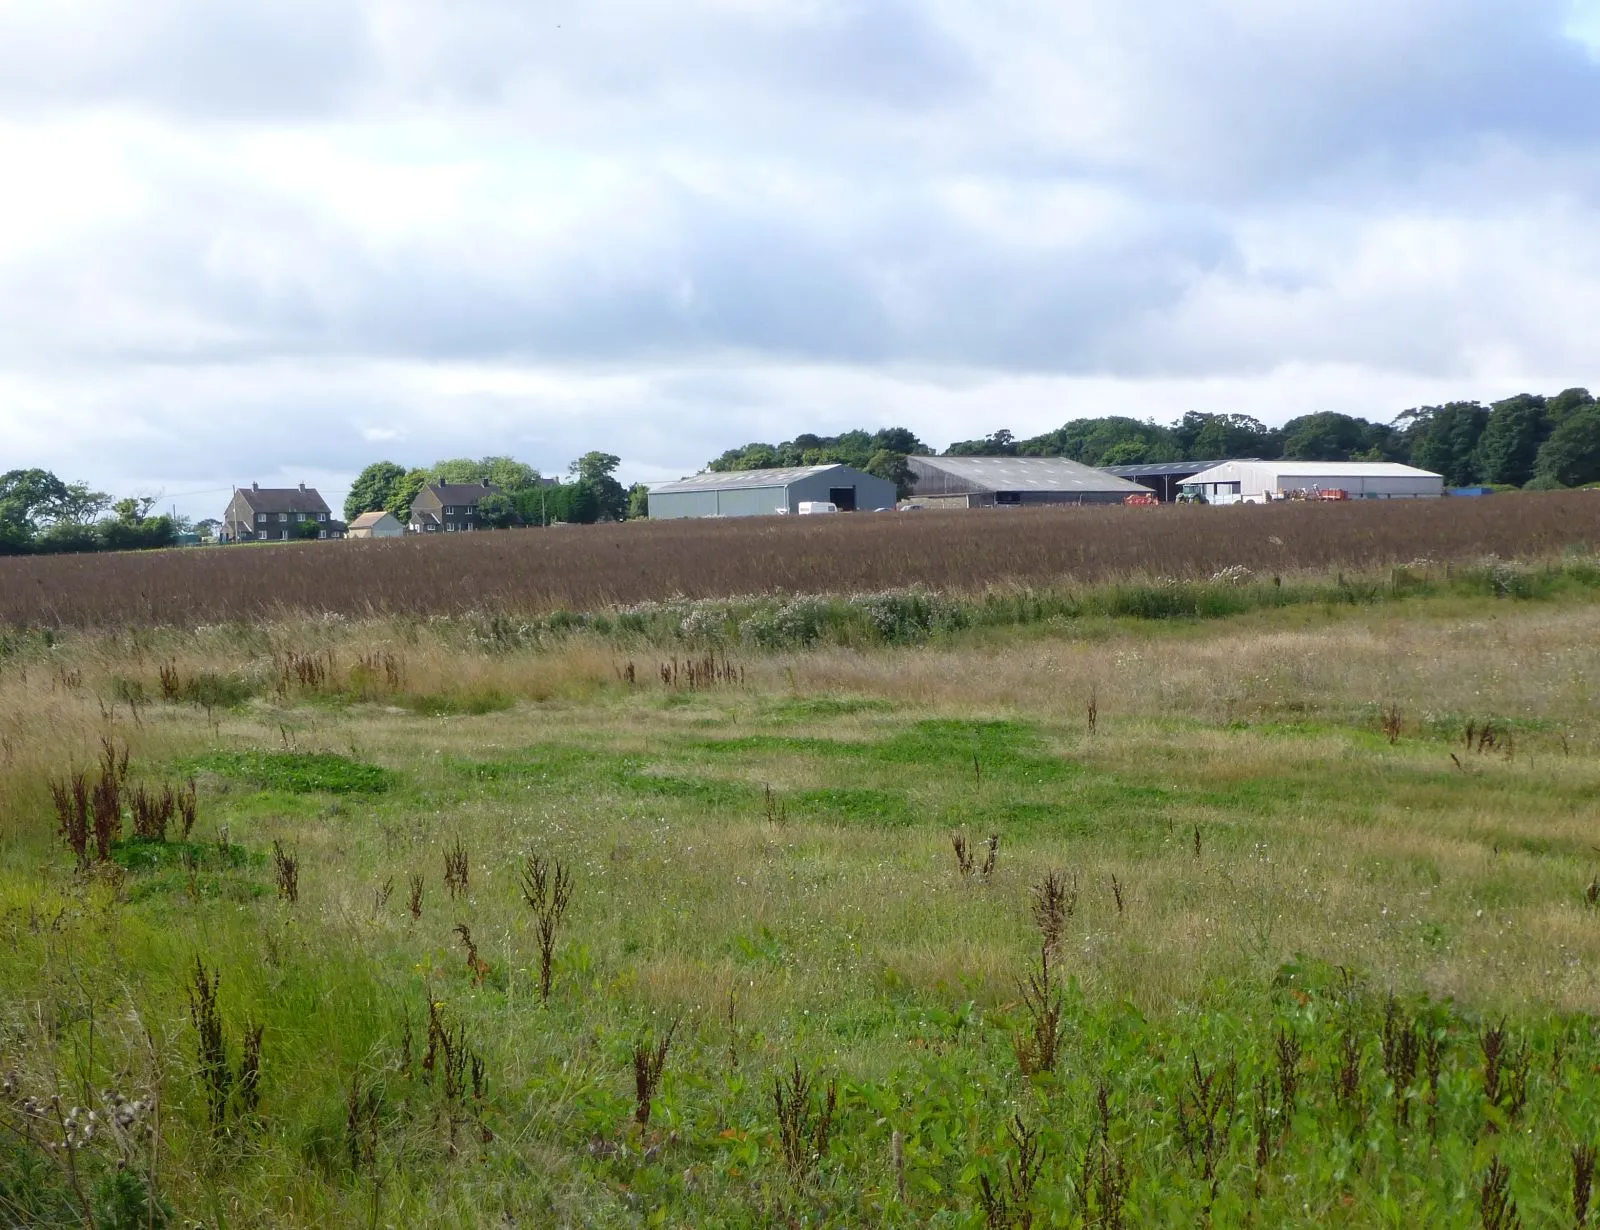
(1524, 441)
(39, 513)
(521, 495)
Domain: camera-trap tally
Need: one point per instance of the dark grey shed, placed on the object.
(756, 493)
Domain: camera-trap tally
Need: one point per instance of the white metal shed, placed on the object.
(1260, 482)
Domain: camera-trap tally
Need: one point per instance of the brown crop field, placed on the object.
(591, 567)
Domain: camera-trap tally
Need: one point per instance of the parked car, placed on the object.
(812, 507)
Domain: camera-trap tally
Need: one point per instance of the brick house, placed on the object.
(272, 514)
(449, 508)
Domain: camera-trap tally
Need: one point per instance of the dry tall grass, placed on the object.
(590, 567)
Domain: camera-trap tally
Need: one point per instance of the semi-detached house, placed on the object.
(274, 514)
(449, 507)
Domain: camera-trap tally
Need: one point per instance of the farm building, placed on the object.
(378, 524)
(754, 493)
(1259, 482)
(1165, 478)
(987, 482)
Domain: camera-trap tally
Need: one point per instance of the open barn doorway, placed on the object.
(843, 498)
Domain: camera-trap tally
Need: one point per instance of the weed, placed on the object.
(547, 888)
(1094, 711)
(188, 808)
(1197, 847)
(363, 1108)
(1010, 1207)
(105, 799)
(1289, 1049)
(1505, 1073)
(1496, 1206)
(649, 1061)
(216, 1076)
(1054, 902)
(249, 1079)
(477, 967)
(381, 895)
(1103, 1178)
(774, 810)
(992, 851)
(456, 869)
(1391, 724)
(1206, 1108)
(1583, 1160)
(286, 867)
(71, 798)
(1347, 1075)
(1037, 1046)
(963, 853)
(1116, 893)
(1402, 1046)
(152, 812)
(802, 1128)
(414, 899)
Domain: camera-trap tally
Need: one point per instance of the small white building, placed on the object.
(376, 525)
(1261, 482)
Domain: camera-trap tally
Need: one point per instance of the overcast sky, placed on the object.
(274, 240)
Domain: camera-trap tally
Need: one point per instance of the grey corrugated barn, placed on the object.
(983, 482)
(755, 493)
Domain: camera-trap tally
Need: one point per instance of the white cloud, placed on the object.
(251, 240)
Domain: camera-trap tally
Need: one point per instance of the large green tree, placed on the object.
(404, 492)
(1571, 456)
(598, 471)
(638, 502)
(373, 489)
(1511, 439)
(852, 448)
(1445, 439)
(891, 467)
(1215, 437)
(498, 510)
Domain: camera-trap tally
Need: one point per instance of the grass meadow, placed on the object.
(1115, 911)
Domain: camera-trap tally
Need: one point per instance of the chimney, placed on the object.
(302, 486)
(255, 486)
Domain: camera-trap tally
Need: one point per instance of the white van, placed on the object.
(811, 507)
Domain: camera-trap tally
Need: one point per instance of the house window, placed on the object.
(450, 528)
(322, 533)
(322, 516)
(285, 535)
(261, 518)
(282, 517)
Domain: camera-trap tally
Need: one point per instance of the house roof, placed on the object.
(459, 493)
(368, 519)
(1277, 470)
(1024, 474)
(300, 499)
(733, 480)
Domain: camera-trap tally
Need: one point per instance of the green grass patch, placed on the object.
(882, 808)
(298, 772)
(810, 707)
(475, 702)
(138, 854)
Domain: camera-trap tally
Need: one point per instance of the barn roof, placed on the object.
(736, 480)
(980, 474)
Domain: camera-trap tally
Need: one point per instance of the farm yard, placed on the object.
(1099, 868)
